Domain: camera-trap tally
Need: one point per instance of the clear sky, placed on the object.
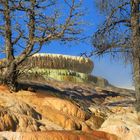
(114, 71)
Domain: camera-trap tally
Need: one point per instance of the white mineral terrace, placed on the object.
(61, 55)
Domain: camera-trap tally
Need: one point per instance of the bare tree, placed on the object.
(25, 26)
(120, 33)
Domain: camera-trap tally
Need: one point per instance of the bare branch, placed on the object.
(108, 37)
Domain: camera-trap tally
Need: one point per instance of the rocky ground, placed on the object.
(67, 111)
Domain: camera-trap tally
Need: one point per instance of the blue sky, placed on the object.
(113, 70)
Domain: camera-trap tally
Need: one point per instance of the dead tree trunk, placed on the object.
(10, 77)
(10, 73)
(135, 25)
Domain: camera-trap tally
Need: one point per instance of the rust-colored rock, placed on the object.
(16, 115)
(95, 122)
(65, 106)
(38, 115)
(11, 121)
(62, 112)
(58, 135)
(104, 135)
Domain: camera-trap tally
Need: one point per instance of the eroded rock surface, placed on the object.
(126, 126)
(58, 135)
(62, 112)
(70, 111)
(16, 115)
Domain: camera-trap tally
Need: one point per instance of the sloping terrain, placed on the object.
(64, 110)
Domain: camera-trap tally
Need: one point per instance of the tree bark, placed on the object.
(136, 48)
(8, 33)
(10, 77)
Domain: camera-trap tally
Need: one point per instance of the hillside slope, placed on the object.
(65, 110)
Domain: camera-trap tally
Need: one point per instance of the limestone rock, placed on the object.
(98, 81)
(11, 121)
(18, 106)
(65, 106)
(63, 113)
(16, 115)
(58, 135)
(31, 114)
(2, 138)
(95, 122)
(126, 126)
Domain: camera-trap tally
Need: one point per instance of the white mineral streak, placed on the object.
(79, 58)
(59, 61)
